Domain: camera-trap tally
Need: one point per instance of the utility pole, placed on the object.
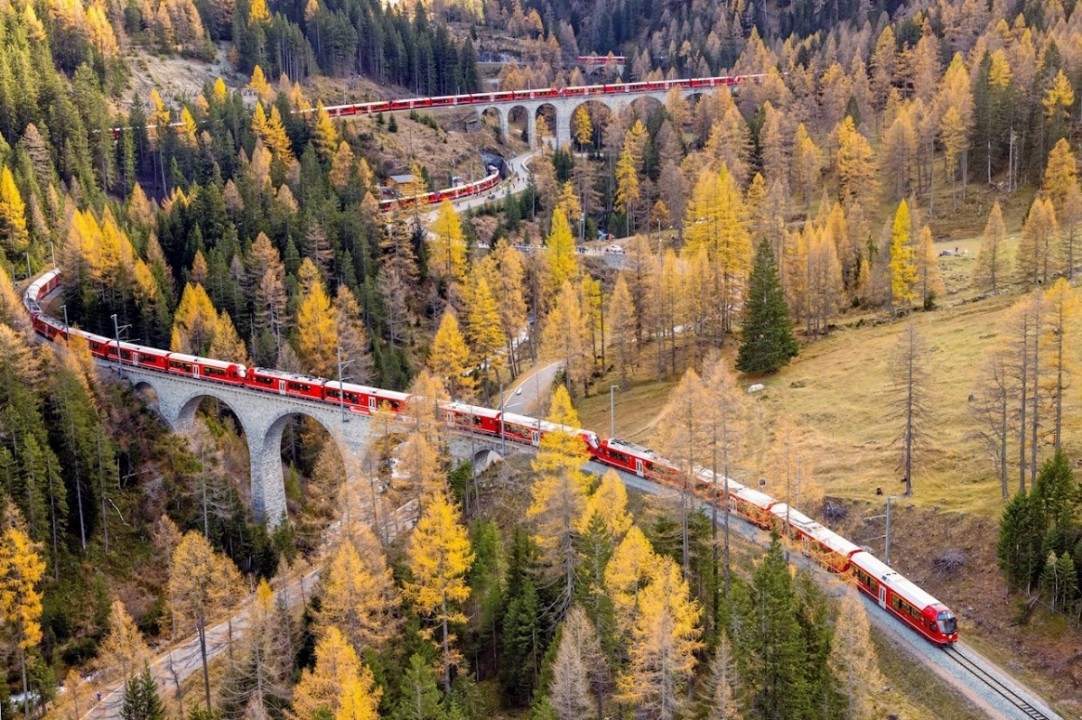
(341, 389)
(116, 329)
(612, 410)
(503, 436)
(67, 327)
(886, 546)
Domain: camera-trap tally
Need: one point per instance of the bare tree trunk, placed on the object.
(1036, 388)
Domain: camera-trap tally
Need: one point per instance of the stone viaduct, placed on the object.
(564, 109)
(263, 417)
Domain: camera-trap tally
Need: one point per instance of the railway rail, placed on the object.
(976, 669)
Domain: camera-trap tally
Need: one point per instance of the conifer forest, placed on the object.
(842, 279)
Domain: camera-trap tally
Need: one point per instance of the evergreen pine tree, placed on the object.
(768, 340)
(141, 701)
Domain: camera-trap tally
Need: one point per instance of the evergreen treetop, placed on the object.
(768, 341)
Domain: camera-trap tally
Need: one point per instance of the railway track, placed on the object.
(976, 669)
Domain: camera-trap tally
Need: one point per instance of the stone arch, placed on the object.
(518, 119)
(601, 113)
(551, 113)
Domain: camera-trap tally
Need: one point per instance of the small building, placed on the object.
(404, 185)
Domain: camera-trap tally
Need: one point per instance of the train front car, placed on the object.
(902, 598)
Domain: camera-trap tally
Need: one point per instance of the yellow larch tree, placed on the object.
(123, 649)
(609, 503)
(1037, 257)
(484, 330)
(227, 344)
(627, 186)
(202, 583)
(1058, 100)
(259, 121)
(1060, 174)
(322, 687)
(569, 203)
(447, 254)
(824, 272)
(854, 163)
(566, 337)
(187, 129)
(561, 262)
(683, 435)
(16, 239)
(258, 14)
(789, 467)
(317, 327)
(929, 279)
(716, 222)
(421, 466)
(504, 268)
(21, 568)
(990, 256)
(584, 127)
(275, 138)
(258, 82)
(806, 163)
(220, 90)
(357, 597)
(343, 166)
(628, 572)
(439, 558)
(449, 358)
(903, 271)
(622, 319)
(665, 639)
(853, 660)
(194, 322)
(325, 136)
(559, 496)
(359, 699)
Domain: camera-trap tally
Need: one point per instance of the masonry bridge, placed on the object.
(560, 102)
(263, 417)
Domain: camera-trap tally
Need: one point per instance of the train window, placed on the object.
(217, 372)
(262, 380)
(395, 405)
(298, 387)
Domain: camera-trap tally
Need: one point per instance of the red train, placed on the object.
(506, 96)
(437, 196)
(894, 593)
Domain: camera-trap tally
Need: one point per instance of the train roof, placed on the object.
(461, 407)
(285, 375)
(893, 579)
(759, 499)
(392, 394)
(632, 449)
(543, 425)
(202, 360)
(706, 477)
(813, 529)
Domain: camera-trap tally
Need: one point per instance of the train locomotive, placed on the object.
(892, 591)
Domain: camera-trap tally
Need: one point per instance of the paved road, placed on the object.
(530, 389)
(183, 659)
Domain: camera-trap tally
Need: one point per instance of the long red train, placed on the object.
(437, 196)
(896, 594)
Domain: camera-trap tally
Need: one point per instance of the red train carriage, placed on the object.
(817, 542)
(637, 459)
(354, 397)
(200, 367)
(146, 357)
(389, 400)
(528, 430)
(470, 417)
(903, 599)
(285, 383)
(752, 505)
(47, 327)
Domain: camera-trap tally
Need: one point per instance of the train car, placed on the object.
(637, 459)
(284, 383)
(529, 430)
(903, 599)
(390, 400)
(146, 357)
(356, 398)
(47, 327)
(472, 418)
(753, 506)
(705, 488)
(196, 367)
(817, 542)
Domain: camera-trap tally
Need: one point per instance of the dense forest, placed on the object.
(243, 223)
